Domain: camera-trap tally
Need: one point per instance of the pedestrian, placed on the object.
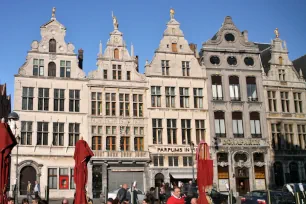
(133, 191)
(146, 201)
(194, 201)
(25, 201)
(10, 200)
(176, 197)
(29, 190)
(43, 202)
(37, 190)
(110, 201)
(122, 193)
(150, 195)
(65, 201)
(35, 201)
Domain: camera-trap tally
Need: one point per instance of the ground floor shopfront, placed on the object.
(241, 169)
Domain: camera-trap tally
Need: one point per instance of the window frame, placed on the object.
(27, 98)
(184, 97)
(165, 67)
(43, 99)
(74, 100)
(186, 68)
(96, 103)
(157, 130)
(65, 68)
(156, 96)
(59, 99)
(74, 133)
(58, 134)
(26, 132)
(198, 97)
(110, 104)
(171, 131)
(42, 133)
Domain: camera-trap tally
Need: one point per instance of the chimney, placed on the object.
(80, 57)
(137, 62)
(193, 47)
(245, 35)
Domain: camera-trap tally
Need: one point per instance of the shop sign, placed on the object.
(223, 175)
(238, 142)
(173, 149)
(260, 184)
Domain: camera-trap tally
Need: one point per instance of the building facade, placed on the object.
(51, 99)
(177, 107)
(284, 89)
(5, 102)
(236, 110)
(117, 118)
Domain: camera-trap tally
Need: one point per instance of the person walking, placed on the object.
(122, 193)
(29, 191)
(37, 190)
(176, 197)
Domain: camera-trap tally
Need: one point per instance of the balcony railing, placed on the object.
(121, 154)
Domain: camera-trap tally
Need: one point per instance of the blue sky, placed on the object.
(142, 23)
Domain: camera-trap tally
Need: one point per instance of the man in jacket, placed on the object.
(122, 193)
(37, 190)
(176, 197)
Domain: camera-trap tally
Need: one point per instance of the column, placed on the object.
(104, 179)
(89, 183)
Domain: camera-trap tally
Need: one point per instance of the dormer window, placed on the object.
(52, 45)
(280, 59)
(52, 69)
(181, 46)
(38, 67)
(117, 72)
(116, 54)
(185, 68)
(174, 47)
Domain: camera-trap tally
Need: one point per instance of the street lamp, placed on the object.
(192, 149)
(13, 117)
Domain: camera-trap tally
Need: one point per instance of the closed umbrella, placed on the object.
(7, 142)
(82, 155)
(205, 171)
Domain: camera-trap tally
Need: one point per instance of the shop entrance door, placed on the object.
(242, 181)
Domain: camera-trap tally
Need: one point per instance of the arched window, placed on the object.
(278, 174)
(52, 69)
(52, 45)
(116, 53)
(280, 59)
(234, 88)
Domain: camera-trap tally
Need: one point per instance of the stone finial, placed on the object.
(132, 50)
(301, 73)
(172, 12)
(276, 32)
(246, 35)
(53, 13)
(147, 62)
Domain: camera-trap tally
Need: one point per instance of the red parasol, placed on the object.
(205, 171)
(82, 155)
(7, 142)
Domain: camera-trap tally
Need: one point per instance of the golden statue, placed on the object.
(53, 12)
(115, 22)
(172, 12)
(276, 32)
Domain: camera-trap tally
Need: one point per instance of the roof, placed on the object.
(265, 55)
(300, 63)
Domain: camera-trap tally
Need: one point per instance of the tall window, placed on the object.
(174, 47)
(234, 88)
(63, 172)
(251, 89)
(155, 96)
(116, 53)
(111, 130)
(96, 131)
(200, 130)
(255, 124)
(74, 100)
(157, 131)
(158, 160)
(216, 82)
(52, 178)
(280, 60)
(285, 102)
(138, 138)
(281, 75)
(170, 97)
(59, 99)
(137, 105)
(111, 143)
(110, 99)
(165, 67)
(27, 98)
(38, 67)
(198, 97)
(237, 124)
(272, 101)
(124, 100)
(42, 133)
(171, 131)
(302, 136)
(65, 68)
(289, 142)
(43, 99)
(298, 102)
(26, 132)
(72, 185)
(124, 143)
(96, 103)
(173, 161)
(58, 134)
(186, 131)
(52, 69)
(117, 72)
(184, 97)
(219, 124)
(187, 161)
(276, 136)
(52, 45)
(105, 74)
(128, 75)
(74, 133)
(185, 68)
